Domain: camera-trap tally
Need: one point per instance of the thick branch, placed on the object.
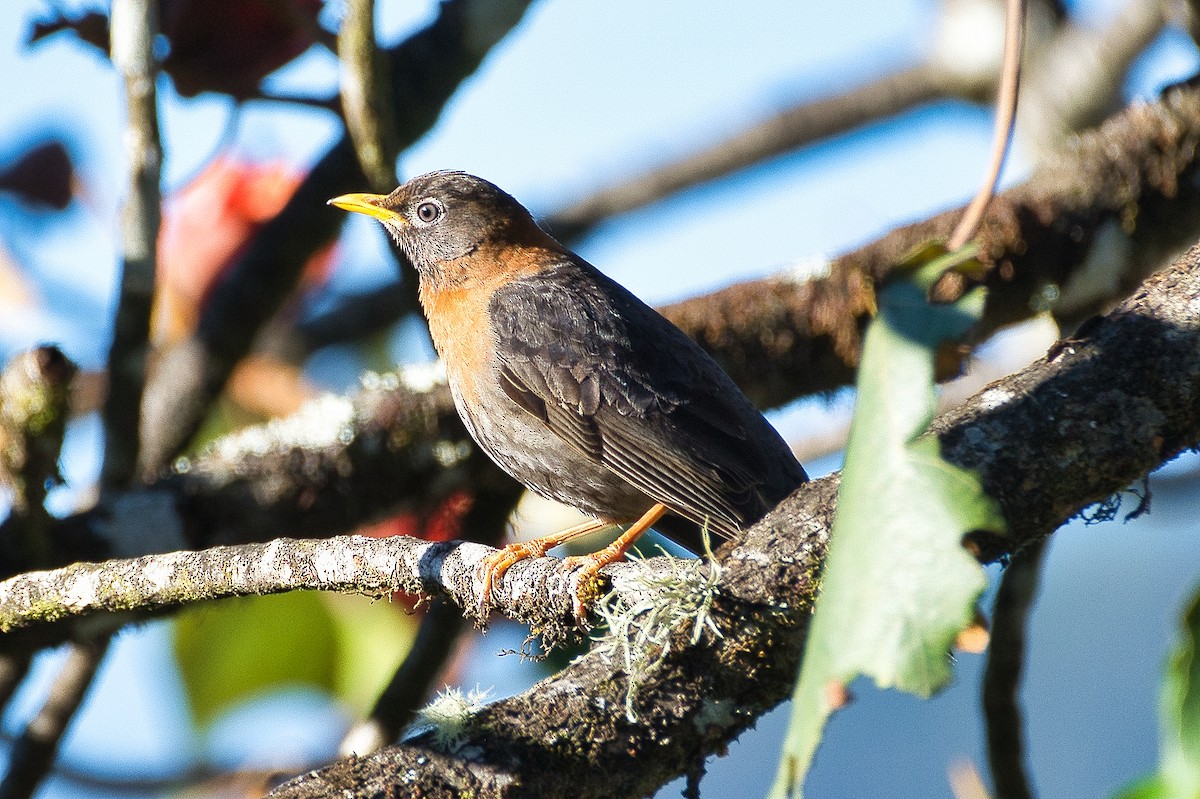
(1081, 233)
(1073, 428)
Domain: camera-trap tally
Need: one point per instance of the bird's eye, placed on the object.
(429, 211)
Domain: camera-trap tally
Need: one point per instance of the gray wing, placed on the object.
(630, 391)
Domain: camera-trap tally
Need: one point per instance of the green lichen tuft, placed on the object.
(645, 607)
(449, 713)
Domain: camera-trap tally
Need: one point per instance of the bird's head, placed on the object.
(439, 218)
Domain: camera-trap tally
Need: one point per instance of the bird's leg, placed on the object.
(593, 563)
(495, 565)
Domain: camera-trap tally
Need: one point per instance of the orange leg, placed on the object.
(495, 565)
(593, 563)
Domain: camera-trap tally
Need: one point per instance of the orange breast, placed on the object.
(462, 335)
(458, 308)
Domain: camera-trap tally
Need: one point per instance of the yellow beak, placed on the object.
(365, 204)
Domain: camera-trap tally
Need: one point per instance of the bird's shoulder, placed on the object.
(583, 331)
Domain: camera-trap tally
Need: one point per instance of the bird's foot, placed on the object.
(494, 566)
(586, 580)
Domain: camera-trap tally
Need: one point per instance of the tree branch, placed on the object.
(1082, 232)
(1082, 423)
(365, 92)
(540, 593)
(134, 26)
(1002, 675)
(33, 753)
(788, 130)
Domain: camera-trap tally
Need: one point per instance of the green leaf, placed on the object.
(234, 650)
(373, 635)
(1178, 776)
(898, 585)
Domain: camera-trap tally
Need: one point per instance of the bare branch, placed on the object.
(366, 89)
(1080, 424)
(134, 26)
(790, 129)
(32, 754)
(1077, 80)
(1002, 676)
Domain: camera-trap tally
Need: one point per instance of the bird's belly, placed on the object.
(523, 446)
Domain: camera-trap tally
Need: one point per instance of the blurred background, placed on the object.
(577, 97)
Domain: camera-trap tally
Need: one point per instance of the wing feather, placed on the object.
(631, 392)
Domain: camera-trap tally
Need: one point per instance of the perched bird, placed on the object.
(570, 383)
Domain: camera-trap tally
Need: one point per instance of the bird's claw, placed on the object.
(585, 583)
(493, 568)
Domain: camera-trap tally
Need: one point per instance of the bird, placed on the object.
(574, 386)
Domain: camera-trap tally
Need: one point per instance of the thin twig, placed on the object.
(1002, 676)
(33, 753)
(790, 129)
(134, 27)
(366, 91)
(1006, 114)
(441, 627)
(397, 704)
